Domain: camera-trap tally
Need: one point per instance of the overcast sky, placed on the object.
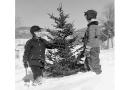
(34, 12)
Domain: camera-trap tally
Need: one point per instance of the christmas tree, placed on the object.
(63, 60)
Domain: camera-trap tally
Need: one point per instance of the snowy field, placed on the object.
(79, 81)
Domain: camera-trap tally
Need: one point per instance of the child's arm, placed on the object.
(49, 42)
(59, 44)
(52, 45)
(27, 51)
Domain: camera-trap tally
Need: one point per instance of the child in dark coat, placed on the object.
(34, 53)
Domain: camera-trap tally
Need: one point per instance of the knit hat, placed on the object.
(34, 29)
(91, 14)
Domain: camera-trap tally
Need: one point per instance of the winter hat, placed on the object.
(91, 14)
(34, 29)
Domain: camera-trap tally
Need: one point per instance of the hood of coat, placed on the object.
(93, 22)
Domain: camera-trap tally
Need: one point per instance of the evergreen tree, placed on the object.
(63, 60)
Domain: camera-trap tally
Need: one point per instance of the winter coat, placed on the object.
(93, 34)
(35, 50)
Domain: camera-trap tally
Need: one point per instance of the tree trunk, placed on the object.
(108, 43)
(112, 42)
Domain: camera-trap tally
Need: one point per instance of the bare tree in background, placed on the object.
(108, 23)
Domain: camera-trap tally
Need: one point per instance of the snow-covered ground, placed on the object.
(79, 81)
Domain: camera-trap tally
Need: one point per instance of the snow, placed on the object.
(79, 81)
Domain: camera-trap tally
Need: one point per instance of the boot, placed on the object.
(38, 81)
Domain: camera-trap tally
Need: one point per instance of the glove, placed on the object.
(25, 64)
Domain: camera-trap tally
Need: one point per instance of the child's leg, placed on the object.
(37, 71)
(33, 68)
(94, 60)
(37, 74)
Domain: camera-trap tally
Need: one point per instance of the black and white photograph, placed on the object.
(64, 44)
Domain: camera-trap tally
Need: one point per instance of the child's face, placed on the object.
(86, 18)
(37, 34)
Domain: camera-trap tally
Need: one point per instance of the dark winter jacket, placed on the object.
(35, 49)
